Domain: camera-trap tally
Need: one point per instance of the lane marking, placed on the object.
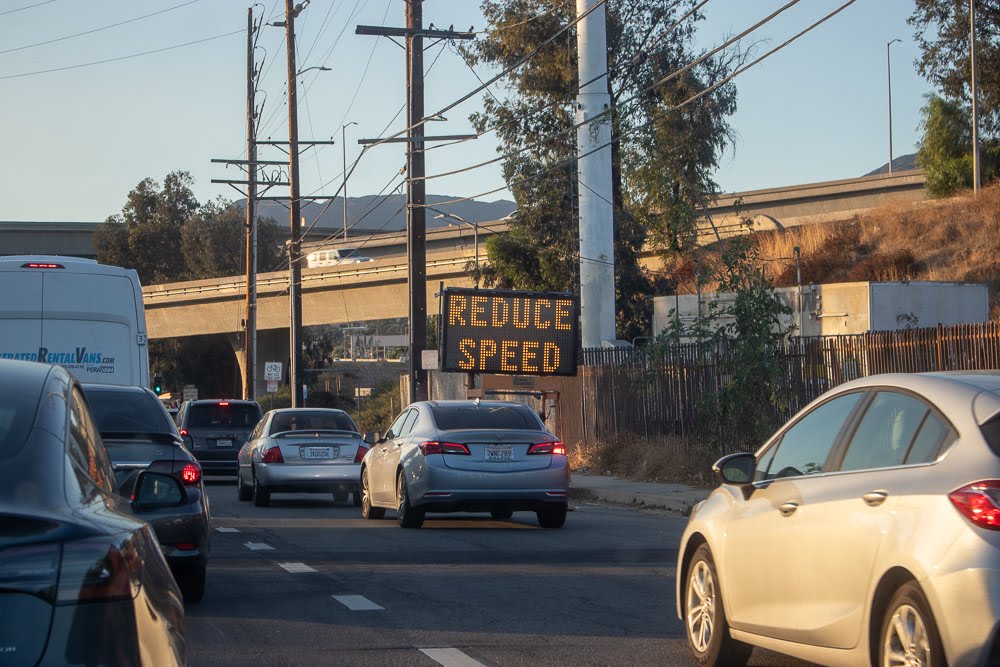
(296, 568)
(357, 602)
(223, 529)
(450, 657)
(258, 546)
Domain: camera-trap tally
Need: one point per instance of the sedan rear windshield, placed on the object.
(305, 420)
(128, 412)
(451, 418)
(223, 415)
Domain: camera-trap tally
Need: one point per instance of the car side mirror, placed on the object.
(156, 490)
(372, 437)
(737, 469)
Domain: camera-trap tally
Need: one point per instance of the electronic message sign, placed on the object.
(507, 332)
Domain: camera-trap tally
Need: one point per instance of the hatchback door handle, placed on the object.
(875, 498)
(787, 509)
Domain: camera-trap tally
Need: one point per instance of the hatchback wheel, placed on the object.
(409, 517)
(552, 517)
(909, 635)
(705, 617)
(243, 492)
(261, 496)
(501, 514)
(191, 581)
(367, 511)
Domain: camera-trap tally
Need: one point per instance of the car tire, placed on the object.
(191, 581)
(261, 496)
(408, 516)
(551, 517)
(501, 514)
(909, 613)
(705, 623)
(356, 498)
(243, 492)
(367, 510)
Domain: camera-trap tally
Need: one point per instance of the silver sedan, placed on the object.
(301, 450)
(466, 456)
(866, 531)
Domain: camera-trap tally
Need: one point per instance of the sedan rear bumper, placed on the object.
(291, 478)
(445, 489)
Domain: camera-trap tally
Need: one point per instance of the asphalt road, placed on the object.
(308, 582)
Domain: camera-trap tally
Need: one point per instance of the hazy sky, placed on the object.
(77, 140)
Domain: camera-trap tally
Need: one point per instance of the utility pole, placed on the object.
(416, 219)
(597, 251)
(250, 344)
(976, 178)
(294, 242)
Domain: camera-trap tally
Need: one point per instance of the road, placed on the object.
(308, 582)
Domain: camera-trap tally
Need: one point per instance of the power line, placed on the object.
(112, 60)
(90, 32)
(21, 9)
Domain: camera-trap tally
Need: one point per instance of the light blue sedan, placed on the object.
(301, 450)
(466, 456)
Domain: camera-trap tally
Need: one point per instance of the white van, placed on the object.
(76, 313)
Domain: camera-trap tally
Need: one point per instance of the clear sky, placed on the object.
(77, 140)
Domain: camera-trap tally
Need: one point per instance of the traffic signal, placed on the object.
(157, 385)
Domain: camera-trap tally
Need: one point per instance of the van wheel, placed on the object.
(261, 496)
(705, 618)
(909, 634)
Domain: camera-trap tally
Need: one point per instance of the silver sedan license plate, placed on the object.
(499, 453)
(319, 452)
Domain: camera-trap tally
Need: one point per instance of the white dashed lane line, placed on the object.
(259, 546)
(296, 568)
(357, 602)
(223, 529)
(450, 657)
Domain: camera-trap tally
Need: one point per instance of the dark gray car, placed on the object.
(215, 429)
(82, 578)
(139, 435)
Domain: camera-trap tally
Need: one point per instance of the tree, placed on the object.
(661, 159)
(942, 32)
(213, 240)
(945, 150)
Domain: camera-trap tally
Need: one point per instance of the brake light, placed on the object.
(435, 447)
(95, 570)
(362, 450)
(548, 448)
(183, 432)
(42, 265)
(223, 403)
(979, 502)
(190, 474)
(273, 455)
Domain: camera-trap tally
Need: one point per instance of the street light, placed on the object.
(319, 67)
(475, 226)
(343, 143)
(888, 71)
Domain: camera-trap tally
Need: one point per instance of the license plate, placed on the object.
(319, 452)
(499, 453)
(223, 443)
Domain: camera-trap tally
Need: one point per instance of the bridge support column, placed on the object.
(272, 345)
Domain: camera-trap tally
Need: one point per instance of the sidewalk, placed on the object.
(675, 497)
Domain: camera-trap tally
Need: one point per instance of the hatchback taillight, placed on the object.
(979, 502)
(435, 447)
(362, 450)
(190, 474)
(96, 570)
(273, 455)
(548, 448)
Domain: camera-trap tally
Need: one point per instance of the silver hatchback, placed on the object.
(866, 531)
(466, 456)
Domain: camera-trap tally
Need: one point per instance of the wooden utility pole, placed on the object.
(250, 343)
(976, 177)
(294, 242)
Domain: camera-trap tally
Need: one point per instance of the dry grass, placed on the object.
(668, 459)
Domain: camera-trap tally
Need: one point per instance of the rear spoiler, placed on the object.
(314, 432)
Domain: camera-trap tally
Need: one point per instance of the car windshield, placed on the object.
(127, 412)
(453, 417)
(222, 415)
(312, 421)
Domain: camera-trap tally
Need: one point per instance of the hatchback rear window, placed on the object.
(451, 417)
(223, 415)
(127, 412)
(17, 414)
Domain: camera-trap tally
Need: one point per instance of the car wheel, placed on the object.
(552, 517)
(356, 498)
(705, 617)
(243, 492)
(501, 514)
(909, 635)
(191, 581)
(261, 496)
(367, 511)
(409, 517)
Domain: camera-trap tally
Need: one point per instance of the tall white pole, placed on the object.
(597, 255)
(888, 76)
(975, 117)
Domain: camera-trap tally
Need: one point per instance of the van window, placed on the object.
(222, 415)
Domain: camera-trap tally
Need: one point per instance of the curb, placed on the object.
(634, 499)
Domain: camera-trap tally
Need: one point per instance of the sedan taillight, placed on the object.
(273, 455)
(548, 448)
(362, 450)
(435, 447)
(979, 502)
